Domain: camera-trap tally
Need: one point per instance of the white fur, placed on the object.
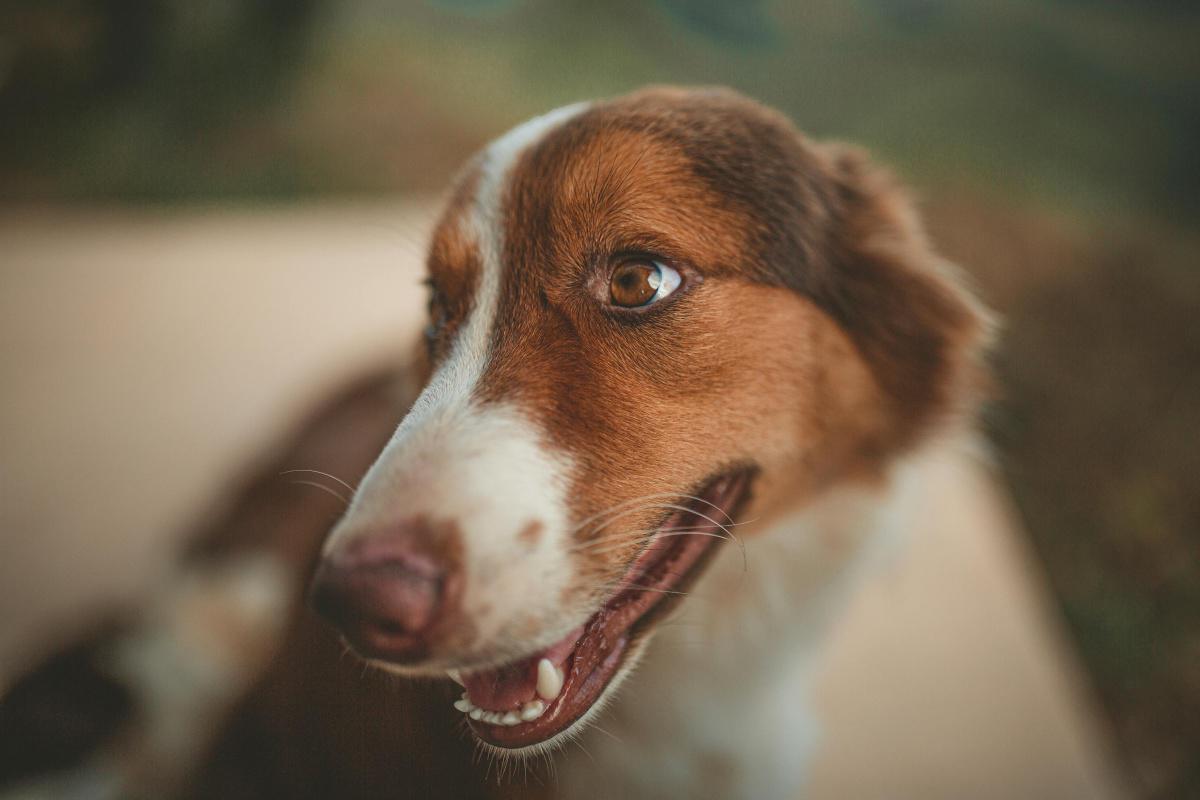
(456, 377)
(737, 725)
(484, 467)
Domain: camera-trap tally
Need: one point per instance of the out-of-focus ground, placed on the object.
(195, 339)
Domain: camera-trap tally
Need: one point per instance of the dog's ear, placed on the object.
(920, 329)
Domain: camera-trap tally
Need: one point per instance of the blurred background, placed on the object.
(165, 160)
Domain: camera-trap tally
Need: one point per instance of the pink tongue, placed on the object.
(512, 685)
(503, 688)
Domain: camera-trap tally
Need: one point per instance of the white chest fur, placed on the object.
(718, 707)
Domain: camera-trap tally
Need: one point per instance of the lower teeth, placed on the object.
(527, 713)
(549, 684)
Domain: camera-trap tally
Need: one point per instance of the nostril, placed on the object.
(385, 594)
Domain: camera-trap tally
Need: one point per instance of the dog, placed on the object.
(682, 367)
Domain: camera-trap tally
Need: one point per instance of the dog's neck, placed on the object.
(726, 679)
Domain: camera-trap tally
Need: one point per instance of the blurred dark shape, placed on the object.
(170, 65)
(742, 23)
(470, 5)
(1103, 370)
(1096, 429)
(62, 51)
(910, 13)
(1090, 103)
(63, 712)
(61, 56)
(80, 721)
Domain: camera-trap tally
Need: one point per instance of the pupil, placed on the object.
(636, 284)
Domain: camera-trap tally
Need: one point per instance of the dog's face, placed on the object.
(642, 311)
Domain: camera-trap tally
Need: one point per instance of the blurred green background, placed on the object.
(1055, 144)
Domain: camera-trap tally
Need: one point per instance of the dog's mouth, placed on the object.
(526, 703)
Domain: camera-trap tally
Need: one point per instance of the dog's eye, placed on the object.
(641, 282)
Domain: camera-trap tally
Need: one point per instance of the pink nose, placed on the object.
(389, 595)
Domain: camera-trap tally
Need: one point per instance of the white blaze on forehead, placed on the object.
(455, 379)
(448, 396)
(482, 466)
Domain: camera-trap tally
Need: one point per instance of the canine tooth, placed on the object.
(549, 680)
(532, 710)
(455, 676)
(511, 718)
(476, 713)
(463, 705)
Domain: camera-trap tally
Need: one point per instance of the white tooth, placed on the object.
(511, 718)
(532, 710)
(455, 676)
(549, 680)
(463, 705)
(491, 717)
(476, 713)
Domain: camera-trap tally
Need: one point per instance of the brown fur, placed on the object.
(871, 348)
(453, 270)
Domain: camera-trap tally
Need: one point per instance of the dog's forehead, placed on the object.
(624, 176)
(697, 171)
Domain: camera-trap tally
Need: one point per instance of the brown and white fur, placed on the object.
(815, 338)
(816, 342)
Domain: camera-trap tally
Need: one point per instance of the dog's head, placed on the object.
(640, 311)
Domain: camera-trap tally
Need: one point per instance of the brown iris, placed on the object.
(634, 284)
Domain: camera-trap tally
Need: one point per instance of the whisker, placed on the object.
(579, 744)
(692, 597)
(669, 506)
(349, 488)
(643, 532)
(323, 488)
(725, 528)
(645, 507)
(610, 734)
(643, 498)
(655, 589)
(594, 548)
(639, 533)
(612, 509)
(692, 532)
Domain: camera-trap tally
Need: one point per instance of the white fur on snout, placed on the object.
(485, 470)
(484, 467)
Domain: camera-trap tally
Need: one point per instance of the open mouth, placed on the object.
(528, 702)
